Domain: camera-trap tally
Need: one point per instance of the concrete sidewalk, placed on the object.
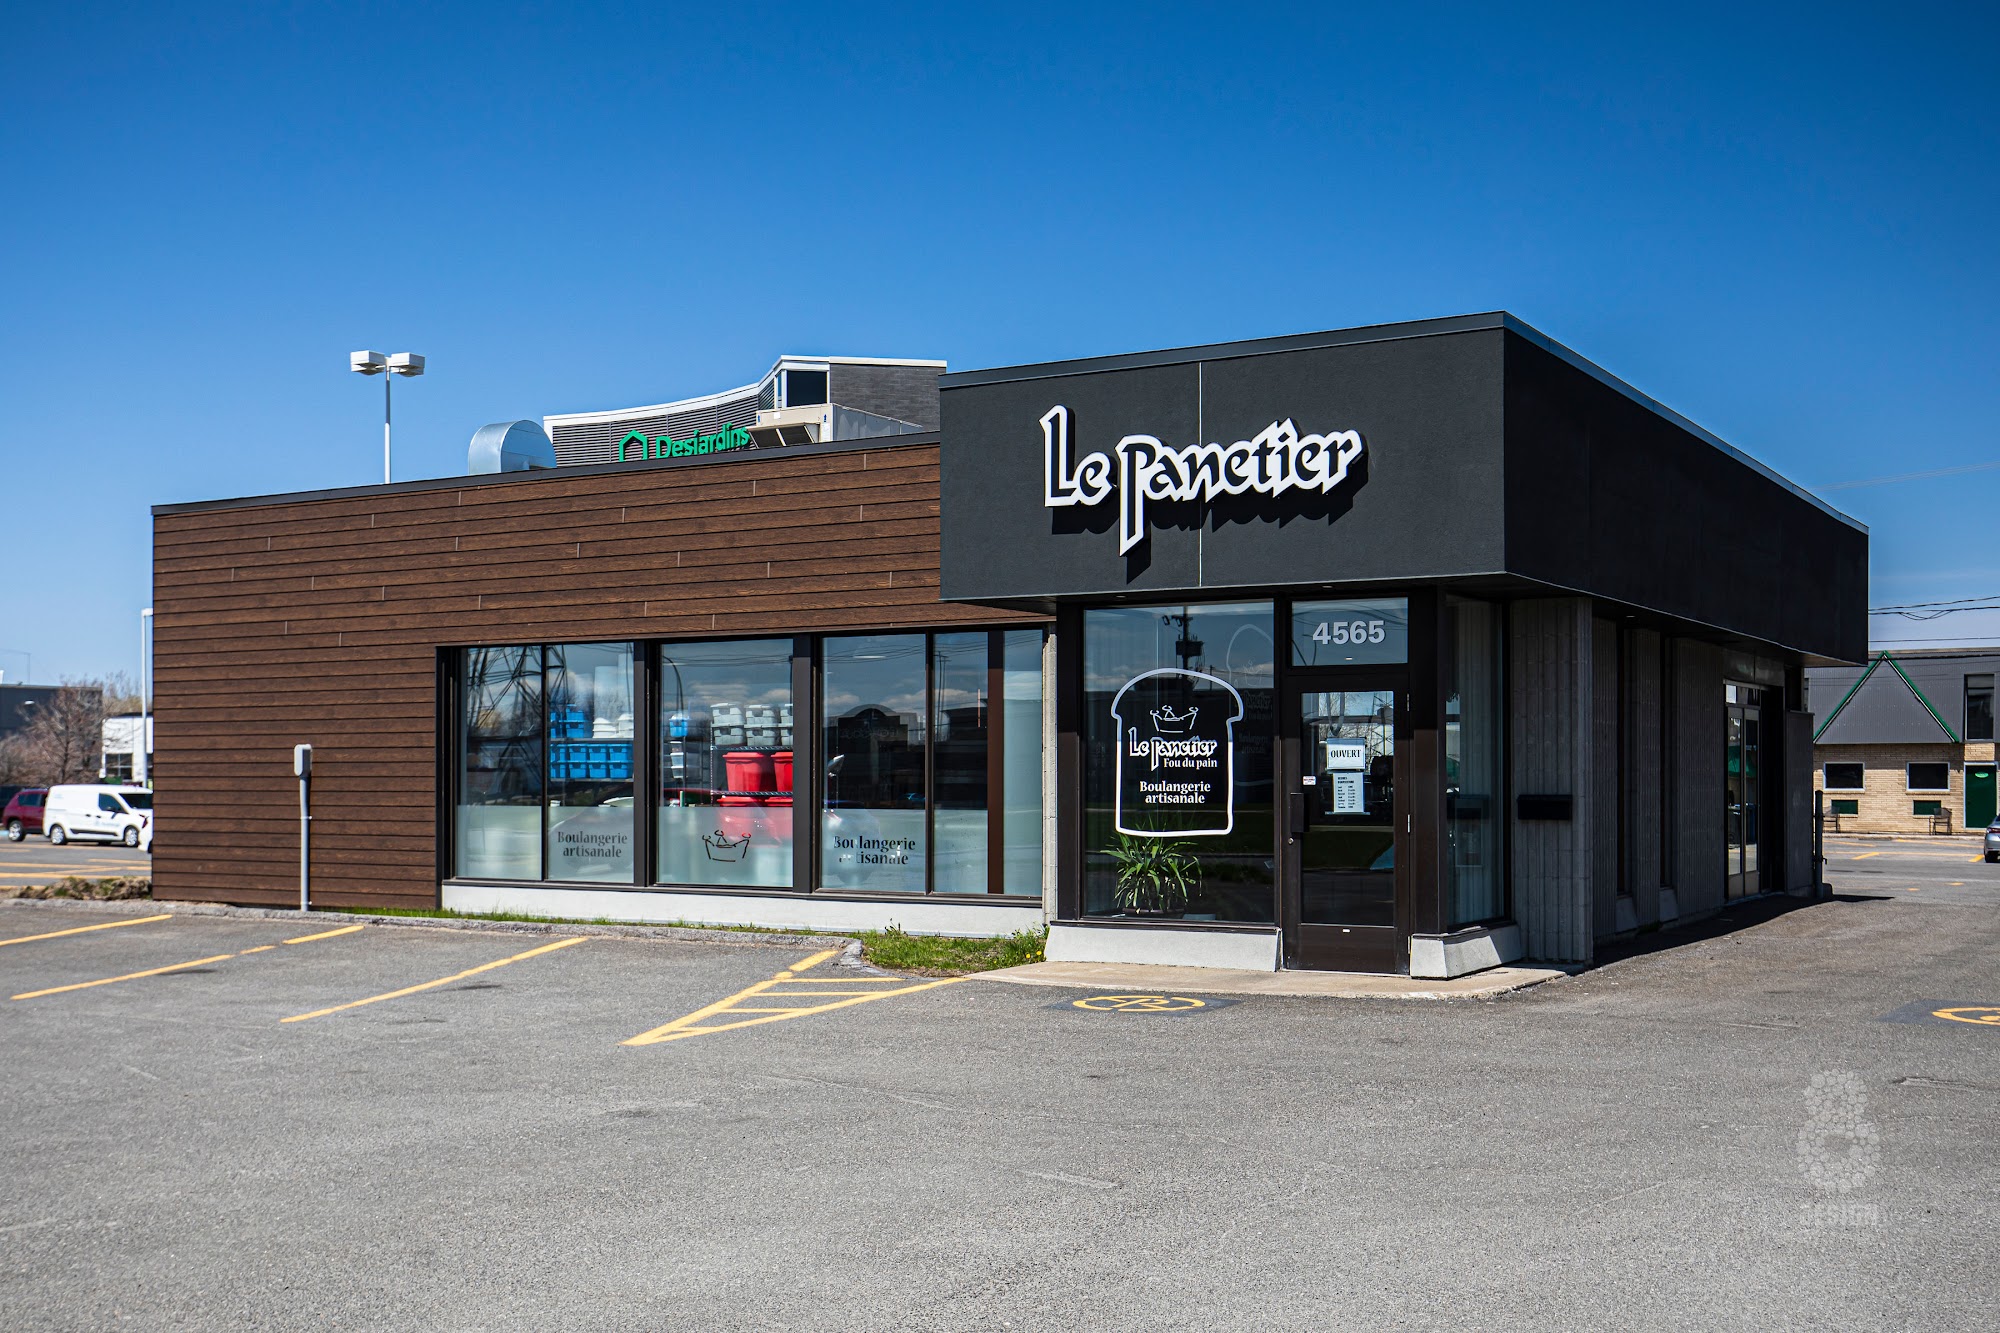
(1230, 981)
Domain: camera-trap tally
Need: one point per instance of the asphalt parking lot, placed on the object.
(455, 1129)
(35, 860)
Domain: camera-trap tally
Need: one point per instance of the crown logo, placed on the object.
(1169, 723)
(721, 847)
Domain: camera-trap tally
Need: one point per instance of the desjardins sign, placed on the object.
(663, 446)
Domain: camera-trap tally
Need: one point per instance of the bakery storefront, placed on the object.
(1416, 648)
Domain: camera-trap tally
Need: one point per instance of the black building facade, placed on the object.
(1514, 651)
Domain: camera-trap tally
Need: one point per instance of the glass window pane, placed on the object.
(1979, 708)
(1346, 633)
(589, 687)
(1021, 829)
(1474, 704)
(725, 812)
(872, 727)
(961, 704)
(1844, 777)
(1220, 659)
(498, 831)
(1929, 777)
(805, 388)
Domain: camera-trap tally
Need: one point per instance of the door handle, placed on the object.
(1295, 816)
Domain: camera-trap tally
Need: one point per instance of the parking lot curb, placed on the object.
(850, 946)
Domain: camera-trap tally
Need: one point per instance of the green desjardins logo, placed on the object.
(663, 446)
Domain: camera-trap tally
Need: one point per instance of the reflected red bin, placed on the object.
(750, 775)
(781, 765)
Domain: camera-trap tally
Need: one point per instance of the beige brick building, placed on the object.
(1905, 743)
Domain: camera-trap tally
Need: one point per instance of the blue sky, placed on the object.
(1778, 223)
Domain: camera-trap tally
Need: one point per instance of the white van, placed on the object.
(96, 811)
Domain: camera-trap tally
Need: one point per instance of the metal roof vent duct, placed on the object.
(509, 446)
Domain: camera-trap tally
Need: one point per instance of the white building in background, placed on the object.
(125, 760)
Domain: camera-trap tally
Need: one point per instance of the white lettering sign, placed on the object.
(1277, 460)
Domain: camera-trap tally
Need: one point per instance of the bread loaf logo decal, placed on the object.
(1176, 754)
(1276, 460)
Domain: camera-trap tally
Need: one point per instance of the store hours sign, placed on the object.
(1276, 460)
(1176, 754)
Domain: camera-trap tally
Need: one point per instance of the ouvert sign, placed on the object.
(1276, 460)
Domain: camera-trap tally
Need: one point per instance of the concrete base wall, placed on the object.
(772, 913)
(1245, 950)
(1441, 957)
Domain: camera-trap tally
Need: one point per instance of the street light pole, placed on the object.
(374, 363)
(143, 764)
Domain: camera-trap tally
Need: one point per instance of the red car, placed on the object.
(24, 813)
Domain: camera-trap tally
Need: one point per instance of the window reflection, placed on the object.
(725, 813)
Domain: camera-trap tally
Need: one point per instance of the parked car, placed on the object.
(24, 812)
(1993, 842)
(99, 811)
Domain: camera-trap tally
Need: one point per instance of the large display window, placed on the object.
(498, 824)
(725, 810)
(928, 774)
(590, 814)
(1178, 763)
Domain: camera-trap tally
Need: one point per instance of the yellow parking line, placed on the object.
(1865, 855)
(102, 925)
(430, 985)
(177, 967)
(324, 935)
(129, 976)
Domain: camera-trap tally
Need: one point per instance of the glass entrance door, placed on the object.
(1344, 829)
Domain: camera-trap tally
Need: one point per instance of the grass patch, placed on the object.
(939, 956)
(114, 889)
(445, 914)
(893, 949)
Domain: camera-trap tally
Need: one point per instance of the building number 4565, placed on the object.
(1350, 631)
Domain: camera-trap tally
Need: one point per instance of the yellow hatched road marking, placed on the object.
(696, 1025)
(102, 925)
(432, 985)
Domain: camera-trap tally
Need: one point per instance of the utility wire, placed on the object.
(1912, 476)
(1933, 610)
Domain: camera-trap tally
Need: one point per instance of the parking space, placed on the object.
(35, 860)
(476, 1128)
(1918, 869)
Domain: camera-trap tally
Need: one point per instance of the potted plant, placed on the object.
(1155, 876)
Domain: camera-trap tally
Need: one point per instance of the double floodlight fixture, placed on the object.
(388, 367)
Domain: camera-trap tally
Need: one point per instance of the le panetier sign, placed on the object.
(1276, 460)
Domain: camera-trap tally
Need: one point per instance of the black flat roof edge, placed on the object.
(873, 445)
(1493, 320)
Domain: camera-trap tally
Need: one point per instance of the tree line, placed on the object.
(64, 738)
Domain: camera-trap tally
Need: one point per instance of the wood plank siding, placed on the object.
(318, 620)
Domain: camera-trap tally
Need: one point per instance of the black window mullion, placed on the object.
(930, 762)
(542, 784)
(808, 765)
(996, 754)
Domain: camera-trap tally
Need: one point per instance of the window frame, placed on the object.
(1827, 783)
(808, 675)
(1909, 776)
